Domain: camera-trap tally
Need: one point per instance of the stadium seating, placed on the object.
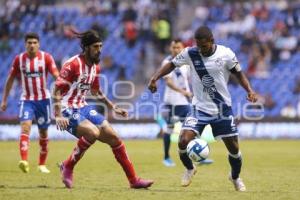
(284, 72)
(61, 47)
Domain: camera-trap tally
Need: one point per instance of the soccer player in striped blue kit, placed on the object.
(177, 98)
(210, 66)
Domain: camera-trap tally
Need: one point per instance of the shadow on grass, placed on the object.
(30, 187)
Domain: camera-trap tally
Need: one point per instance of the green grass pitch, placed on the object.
(271, 170)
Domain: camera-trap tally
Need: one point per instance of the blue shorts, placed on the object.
(38, 109)
(176, 113)
(77, 115)
(222, 126)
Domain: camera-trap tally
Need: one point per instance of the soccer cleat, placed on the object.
(66, 175)
(43, 169)
(238, 184)
(187, 177)
(141, 183)
(169, 163)
(205, 162)
(24, 166)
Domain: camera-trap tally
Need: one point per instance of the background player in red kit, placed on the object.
(78, 76)
(32, 67)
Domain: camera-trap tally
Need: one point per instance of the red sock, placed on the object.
(43, 150)
(24, 146)
(79, 150)
(122, 158)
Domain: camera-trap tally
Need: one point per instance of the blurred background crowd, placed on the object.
(265, 36)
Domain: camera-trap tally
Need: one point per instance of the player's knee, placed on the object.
(43, 133)
(234, 151)
(93, 133)
(25, 129)
(183, 142)
(184, 138)
(115, 141)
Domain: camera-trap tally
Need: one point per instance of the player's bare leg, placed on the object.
(87, 133)
(109, 136)
(184, 138)
(43, 142)
(24, 145)
(235, 160)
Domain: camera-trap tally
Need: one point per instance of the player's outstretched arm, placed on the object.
(164, 70)
(244, 82)
(171, 84)
(7, 88)
(101, 97)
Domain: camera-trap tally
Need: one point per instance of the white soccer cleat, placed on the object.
(43, 169)
(238, 184)
(24, 166)
(187, 177)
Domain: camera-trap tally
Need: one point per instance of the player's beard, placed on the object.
(95, 59)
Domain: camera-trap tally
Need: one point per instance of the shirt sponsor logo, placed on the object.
(32, 74)
(208, 86)
(197, 62)
(84, 86)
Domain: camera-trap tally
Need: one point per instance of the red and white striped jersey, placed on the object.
(33, 73)
(75, 80)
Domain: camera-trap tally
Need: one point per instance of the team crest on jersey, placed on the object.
(219, 62)
(40, 63)
(83, 77)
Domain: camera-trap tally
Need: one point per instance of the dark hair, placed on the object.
(203, 32)
(31, 35)
(88, 37)
(176, 40)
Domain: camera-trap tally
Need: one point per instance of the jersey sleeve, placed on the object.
(231, 60)
(95, 83)
(50, 64)
(181, 59)
(66, 77)
(15, 68)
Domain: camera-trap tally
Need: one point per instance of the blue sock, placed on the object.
(186, 161)
(236, 164)
(167, 142)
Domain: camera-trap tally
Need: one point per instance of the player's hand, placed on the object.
(187, 94)
(152, 85)
(120, 111)
(252, 97)
(3, 105)
(61, 123)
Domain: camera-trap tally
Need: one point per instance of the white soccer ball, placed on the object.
(198, 150)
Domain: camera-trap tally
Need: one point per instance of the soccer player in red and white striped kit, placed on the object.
(32, 67)
(78, 76)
